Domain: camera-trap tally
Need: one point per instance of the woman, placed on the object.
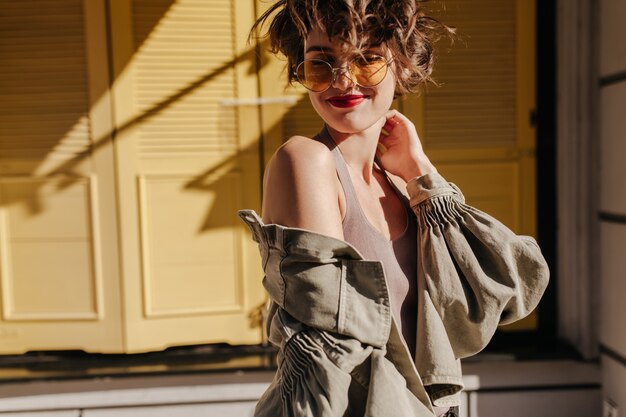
(365, 326)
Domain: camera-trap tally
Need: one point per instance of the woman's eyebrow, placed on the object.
(316, 48)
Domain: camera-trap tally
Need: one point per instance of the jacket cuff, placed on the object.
(429, 186)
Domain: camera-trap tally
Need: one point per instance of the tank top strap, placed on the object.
(341, 166)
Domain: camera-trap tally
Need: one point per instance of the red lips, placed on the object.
(346, 101)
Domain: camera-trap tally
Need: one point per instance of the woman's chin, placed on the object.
(350, 124)
(353, 120)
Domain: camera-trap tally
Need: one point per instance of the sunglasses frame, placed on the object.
(337, 70)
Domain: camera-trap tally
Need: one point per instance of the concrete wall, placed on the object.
(612, 120)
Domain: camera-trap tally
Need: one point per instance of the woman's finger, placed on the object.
(380, 149)
(389, 125)
(392, 120)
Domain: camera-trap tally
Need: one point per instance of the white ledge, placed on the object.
(248, 386)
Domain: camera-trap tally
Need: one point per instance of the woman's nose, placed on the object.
(342, 79)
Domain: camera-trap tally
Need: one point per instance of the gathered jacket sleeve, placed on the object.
(473, 273)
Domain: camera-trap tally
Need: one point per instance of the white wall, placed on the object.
(612, 118)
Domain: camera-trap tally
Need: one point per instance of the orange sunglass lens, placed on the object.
(316, 75)
(369, 73)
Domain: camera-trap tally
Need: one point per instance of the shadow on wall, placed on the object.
(58, 117)
(46, 92)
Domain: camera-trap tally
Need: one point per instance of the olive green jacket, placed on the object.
(341, 351)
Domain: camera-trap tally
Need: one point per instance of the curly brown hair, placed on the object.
(400, 25)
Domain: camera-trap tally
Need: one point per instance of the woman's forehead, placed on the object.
(317, 38)
(318, 41)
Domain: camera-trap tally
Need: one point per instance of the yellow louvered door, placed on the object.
(59, 282)
(477, 125)
(187, 158)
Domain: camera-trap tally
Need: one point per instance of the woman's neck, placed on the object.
(359, 149)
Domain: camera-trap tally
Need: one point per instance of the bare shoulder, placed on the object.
(302, 153)
(301, 187)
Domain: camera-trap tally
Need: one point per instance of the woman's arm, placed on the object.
(474, 272)
(301, 188)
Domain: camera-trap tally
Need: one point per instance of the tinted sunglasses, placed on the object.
(318, 75)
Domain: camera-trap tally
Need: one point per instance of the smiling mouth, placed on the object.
(347, 100)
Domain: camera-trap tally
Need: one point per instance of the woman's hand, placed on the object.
(400, 149)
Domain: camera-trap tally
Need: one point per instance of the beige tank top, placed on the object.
(398, 256)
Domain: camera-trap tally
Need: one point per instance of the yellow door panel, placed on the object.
(191, 265)
(490, 187)
(188, 159)
(59, 283)
(37, 282)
